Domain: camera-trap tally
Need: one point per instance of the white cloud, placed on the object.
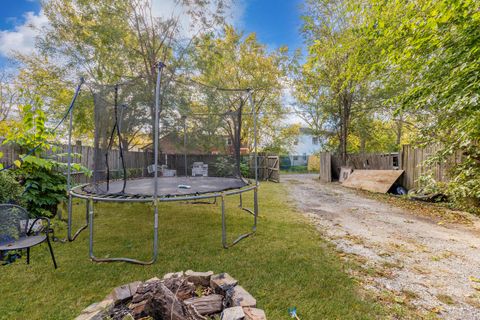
(22, 38)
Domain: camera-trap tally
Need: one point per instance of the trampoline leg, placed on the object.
(135, 261)
(224, 225)
(255, 209)
(254, 227)
(155, 234)
(90, 223)
(70, 218)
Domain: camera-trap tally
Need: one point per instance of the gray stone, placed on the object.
(173, 275)
(120, 293)
(222, 282)
(241, 297)
(124, 292)
(234, 313)
(96, 315)
(91, 308)
(152, 280)
(254, 314)
(134, 286)
(199, 278)
(106, 305)
(96, 311)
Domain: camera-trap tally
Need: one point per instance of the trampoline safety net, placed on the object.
(204, 137)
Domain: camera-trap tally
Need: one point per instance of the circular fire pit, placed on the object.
(178, 296)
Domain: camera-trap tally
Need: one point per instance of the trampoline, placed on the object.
(204, 136)
(168, 187)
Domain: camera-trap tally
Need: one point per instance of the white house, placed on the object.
(305, 145)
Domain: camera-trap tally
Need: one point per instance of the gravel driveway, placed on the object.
(432, 267)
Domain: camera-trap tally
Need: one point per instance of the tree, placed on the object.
(8, 97)
(434, 45)
(283, 140)
(333, 50)
(340, 92)
(113, 41)
(232, 60)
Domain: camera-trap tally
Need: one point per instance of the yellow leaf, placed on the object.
(474, 279)
(437, 309)
(18, 163)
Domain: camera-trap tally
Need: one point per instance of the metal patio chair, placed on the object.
(18, 232)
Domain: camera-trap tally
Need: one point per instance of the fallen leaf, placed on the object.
(437, 309)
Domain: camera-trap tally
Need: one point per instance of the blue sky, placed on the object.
(276, 23)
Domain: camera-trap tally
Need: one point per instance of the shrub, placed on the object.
(10, 188)
(45, 186)
(225, 166)
(245, 169)
(42, 177)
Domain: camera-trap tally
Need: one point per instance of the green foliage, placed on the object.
(225, 166)
(45, 186)
(410, 71)
(245, 169)
(10, 188)
(428, 185)
(234, 60)
(464, 188)
(296, 169)
(283, 140)
(43, 178)
(434, 46)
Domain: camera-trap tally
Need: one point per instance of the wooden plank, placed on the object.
(325, 167)
(207, 304)
(373, 180)
(344, 173)
(273, 168)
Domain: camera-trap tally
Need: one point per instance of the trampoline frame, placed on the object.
(90, 199)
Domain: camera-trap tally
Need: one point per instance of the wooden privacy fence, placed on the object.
(330, 164)
(136, 162)
(268, 167)
(412, 160)
(370, 161)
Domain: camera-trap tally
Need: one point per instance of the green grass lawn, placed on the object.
(285, 264)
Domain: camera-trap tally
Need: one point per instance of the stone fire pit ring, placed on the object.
(180, 295)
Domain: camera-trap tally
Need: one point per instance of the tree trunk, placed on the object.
(363, 144)
(345, 102)
(399, 131)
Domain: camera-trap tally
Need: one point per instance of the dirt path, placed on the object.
(414, 259)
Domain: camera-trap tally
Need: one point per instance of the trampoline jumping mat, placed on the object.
(167, 186)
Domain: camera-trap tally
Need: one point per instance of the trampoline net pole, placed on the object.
(185, 144)
(156, 142)
(69, 161)
(254, 113)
